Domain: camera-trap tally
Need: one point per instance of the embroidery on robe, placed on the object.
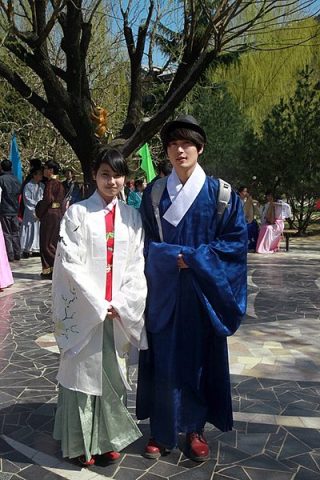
(64, 326)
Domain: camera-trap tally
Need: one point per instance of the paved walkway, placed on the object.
(275, 365)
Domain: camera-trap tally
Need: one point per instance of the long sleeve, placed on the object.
(218, 270)
(129, 299)
(79, 303)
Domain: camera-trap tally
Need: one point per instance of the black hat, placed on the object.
(183, 121)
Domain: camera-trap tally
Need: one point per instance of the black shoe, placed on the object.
(46, 276)
(26, 255)
(17, 258)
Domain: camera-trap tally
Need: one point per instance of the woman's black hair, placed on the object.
(113, 158)
(184, 134)
(35, 171)
(54, 165)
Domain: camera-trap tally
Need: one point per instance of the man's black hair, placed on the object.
(53, 165)
(6, 165)
(183, 134)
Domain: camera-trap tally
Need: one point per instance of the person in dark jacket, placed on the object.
(9, 208)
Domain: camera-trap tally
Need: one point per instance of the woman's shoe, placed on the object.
(112, 457)
(86, 463)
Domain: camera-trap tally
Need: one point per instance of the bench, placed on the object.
(287, 233)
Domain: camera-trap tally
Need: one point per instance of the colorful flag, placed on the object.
(146, 163)
(15, 158)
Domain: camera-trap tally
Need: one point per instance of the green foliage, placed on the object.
(225, 127)
(286, 155)
(268, 71)
(35, 135)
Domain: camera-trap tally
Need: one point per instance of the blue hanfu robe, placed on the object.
(183, 379)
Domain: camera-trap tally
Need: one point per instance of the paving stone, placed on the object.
(304, 474)
(5, 476)
(36, 472)
(127, 474)
(236, 472)
(165, 469)
(287, 307)
(307, 461)
(260, 474)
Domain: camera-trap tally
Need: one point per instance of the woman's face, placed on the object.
(37, 177)
(109, 183)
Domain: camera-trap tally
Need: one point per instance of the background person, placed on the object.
(99, 292)
(5, 271)
(135, 197)
(71, 187)
(30, 227)
(272, 226)
(250, 210)
(9, 208)
(49, 211)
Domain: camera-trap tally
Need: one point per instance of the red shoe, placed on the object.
(153, 450)
(197, 447)
(86, 463)
(112, 457)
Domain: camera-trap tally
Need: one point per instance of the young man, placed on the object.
(196, 274)
(50, 212)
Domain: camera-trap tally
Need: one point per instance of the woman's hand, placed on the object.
(112, 313)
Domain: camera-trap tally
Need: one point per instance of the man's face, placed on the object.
(244, 193)
(183, 155)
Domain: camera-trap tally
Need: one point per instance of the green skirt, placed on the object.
(92, 425)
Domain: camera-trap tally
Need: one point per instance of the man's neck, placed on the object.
(184, 175)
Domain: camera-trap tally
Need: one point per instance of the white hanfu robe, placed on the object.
(88, 373)
(30, 228)
(79, 286)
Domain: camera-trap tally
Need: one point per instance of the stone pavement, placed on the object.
(275, 365)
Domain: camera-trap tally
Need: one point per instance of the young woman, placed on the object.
(272, 225)
(99, 292)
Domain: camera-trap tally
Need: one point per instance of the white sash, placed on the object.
(183, 196)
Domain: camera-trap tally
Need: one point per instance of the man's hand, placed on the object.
(112, 313)
(181, 263)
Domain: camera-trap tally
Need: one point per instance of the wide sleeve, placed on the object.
(129, 300)
(79, 305)
(28, 198)
(220, 270)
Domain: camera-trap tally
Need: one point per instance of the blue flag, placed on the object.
(15, 158)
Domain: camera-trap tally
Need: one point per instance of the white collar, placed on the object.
(183, 196)
(107, 207)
